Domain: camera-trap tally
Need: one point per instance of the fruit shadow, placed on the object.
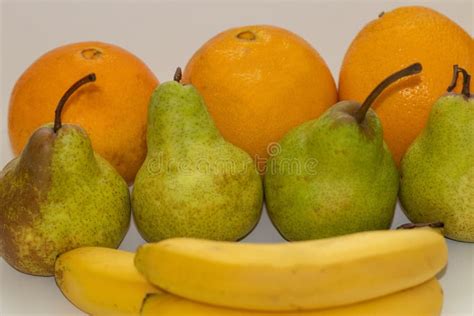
(441, 273)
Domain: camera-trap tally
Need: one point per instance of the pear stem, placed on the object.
(411, 225)
(57, 114)
(408, 71)
(454, 80)
(178, 74)
(466, 83)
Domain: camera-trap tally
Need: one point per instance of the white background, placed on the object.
(164, 34)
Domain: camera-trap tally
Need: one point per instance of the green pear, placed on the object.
(59, 195)
(437, 172)
(334, 175)
(193, 183)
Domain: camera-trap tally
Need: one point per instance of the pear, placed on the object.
(334, 175)
(59, 195)
(437, 172)
(193, 183)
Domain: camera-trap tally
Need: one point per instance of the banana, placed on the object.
(102, 281)
(422, 300)
(294, 276)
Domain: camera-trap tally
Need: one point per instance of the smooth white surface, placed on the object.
(165, 34)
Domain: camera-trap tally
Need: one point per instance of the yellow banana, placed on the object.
(422, 300)
(294, 276)
(102, 281)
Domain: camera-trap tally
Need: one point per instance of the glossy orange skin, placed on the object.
(393, 41)
(113, 110)
(259, 82)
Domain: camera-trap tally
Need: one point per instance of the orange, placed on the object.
(258, 82)
(113, 110)
(391, 42)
